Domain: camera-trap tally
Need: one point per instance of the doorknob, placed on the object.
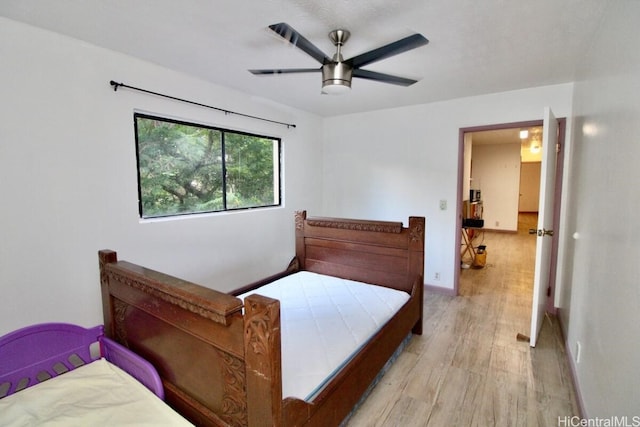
(547, 232)
(533, 231)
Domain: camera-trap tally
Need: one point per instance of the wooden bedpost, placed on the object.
(416, 261)
(263, 361)
(300, 217)
(105, 257)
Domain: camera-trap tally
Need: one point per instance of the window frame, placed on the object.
(222, 153)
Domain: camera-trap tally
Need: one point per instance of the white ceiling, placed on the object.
(476, 47)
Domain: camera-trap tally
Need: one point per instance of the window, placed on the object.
(186, 168)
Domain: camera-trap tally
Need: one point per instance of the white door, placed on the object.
(545, 223)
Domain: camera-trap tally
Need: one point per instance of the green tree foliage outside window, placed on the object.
(185, 168)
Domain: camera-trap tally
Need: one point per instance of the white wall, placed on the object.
(68, 174)
(399, 162)
(601, 299)
(529, 186)
(497, 168)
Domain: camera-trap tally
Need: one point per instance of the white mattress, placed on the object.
(324, 322)
(97, 394)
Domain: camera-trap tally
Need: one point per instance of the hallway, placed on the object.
(468, 369)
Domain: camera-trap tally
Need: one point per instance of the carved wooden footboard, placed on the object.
(196, 339)
(220, 366)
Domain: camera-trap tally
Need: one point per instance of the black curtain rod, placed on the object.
(116, 85)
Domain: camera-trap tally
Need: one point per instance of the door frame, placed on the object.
(557, 198)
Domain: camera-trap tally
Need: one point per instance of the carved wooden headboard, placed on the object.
(378, 252)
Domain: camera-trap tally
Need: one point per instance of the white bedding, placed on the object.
(325, 321)
(97, 394)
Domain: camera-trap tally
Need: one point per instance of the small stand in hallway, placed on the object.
(472, 224)
(468, 234)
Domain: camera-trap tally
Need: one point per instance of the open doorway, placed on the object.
(502, 172)
(504, 212)
(464, 185)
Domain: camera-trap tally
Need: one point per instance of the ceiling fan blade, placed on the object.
(384, 78)
(285, 71)
(386, 51)
(287, 32)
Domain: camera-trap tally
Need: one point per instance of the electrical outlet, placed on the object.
(443, 205)
(497, 223)
(578, 351)
(436, 276)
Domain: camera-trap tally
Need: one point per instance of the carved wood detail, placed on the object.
(416, 231)
(263, 360)
(378, 227)
(300, 216)
(105, 257)
(120, 312)
(234, 400)
(142, 286)
(259, 325)
(104, 277)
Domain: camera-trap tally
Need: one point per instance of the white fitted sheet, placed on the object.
(324, 322)
(96, 394)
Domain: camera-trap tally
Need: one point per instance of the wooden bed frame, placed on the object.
(222, 366)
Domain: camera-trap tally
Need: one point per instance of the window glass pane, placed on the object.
(180, 168)
(187, 168)
(251, 170)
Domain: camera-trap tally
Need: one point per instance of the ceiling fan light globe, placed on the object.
(336, 87)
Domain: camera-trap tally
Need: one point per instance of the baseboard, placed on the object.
(440, 290)
(572, 366)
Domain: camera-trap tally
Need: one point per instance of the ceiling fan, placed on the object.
(337, 72)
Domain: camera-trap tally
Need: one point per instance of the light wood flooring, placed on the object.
(468, 369)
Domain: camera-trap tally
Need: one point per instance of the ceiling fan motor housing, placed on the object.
(336, 73)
